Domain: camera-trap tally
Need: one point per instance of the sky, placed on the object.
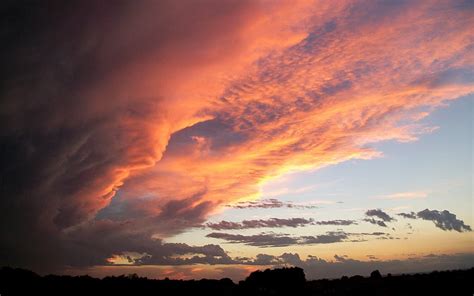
(208, 139)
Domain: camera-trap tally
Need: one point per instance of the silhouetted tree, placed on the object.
(282, 281)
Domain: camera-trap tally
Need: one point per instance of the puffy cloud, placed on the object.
(156, 114)
(442, 219)
(411, 215)
(379, 214)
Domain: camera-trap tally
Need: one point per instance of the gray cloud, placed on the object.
(257, 240)
(270, 204)
(77, 118)
(272, 223)
(283, 240)
(376, 222)
(336, 222)
(379, 214)
(411, 215)
(442, 219)
(275, 223)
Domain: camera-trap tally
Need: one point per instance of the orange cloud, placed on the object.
(360, 76)
(184, 107)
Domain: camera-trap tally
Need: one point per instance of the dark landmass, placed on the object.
(282, 281)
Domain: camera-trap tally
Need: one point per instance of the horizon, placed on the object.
(209, 139)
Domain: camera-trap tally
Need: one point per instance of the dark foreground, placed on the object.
(284, 281)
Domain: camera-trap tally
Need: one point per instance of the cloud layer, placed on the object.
(124, 124)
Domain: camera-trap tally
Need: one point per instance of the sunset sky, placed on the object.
(209, 138)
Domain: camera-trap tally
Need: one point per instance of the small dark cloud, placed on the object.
(372, 257)
(340, 258)
(442, 219)
(337, 222)
(257, 240)
(269, 204)
(411, 215)
(379, 214)
(376, 222)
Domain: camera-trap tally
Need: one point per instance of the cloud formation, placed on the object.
(442, 219)
(336, 222)
(270, 204)
(128, 123)
(380, 214)
(282, 240)
(273, 223)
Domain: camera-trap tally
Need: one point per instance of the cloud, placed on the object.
(270, 204)
(442, 219)
(379, 214)
(376, 222)
(336, 222)
(114, 130)
(273, 223)
(257, 240)
(283, 240)
(405, 195)
(411, 215)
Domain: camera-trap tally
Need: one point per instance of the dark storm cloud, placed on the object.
(77, 117)
(92, 93)
(442, 219)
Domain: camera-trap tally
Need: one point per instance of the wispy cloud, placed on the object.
(271, 223)
(404, 195)
(272, 203)
(275, 223)
(282, 240)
